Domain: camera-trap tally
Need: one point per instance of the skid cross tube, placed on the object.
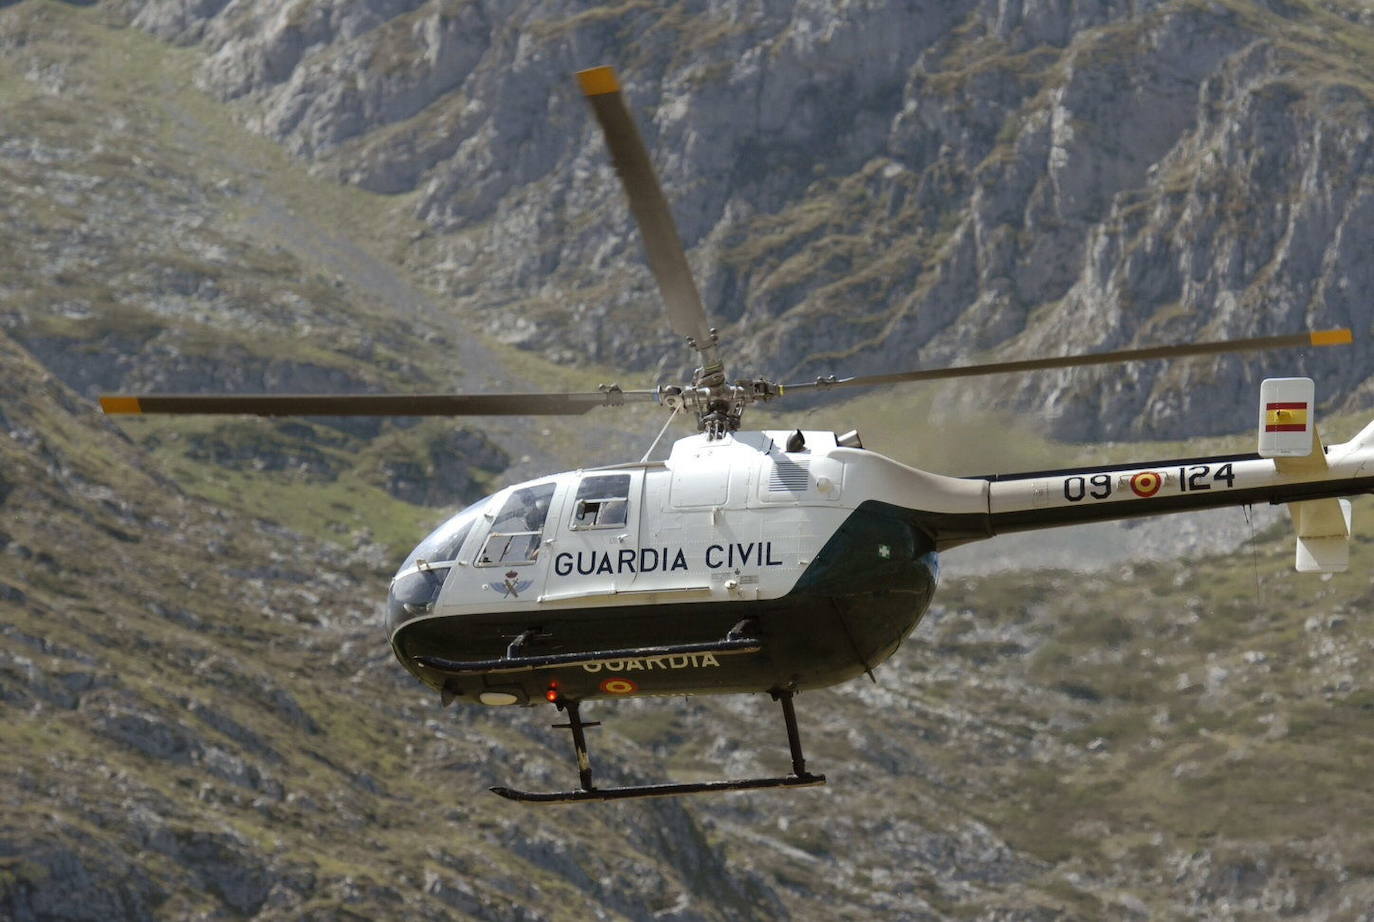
(800, 777)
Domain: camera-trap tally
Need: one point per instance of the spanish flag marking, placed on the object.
(1285, 417)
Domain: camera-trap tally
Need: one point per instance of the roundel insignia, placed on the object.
(618, 686)
(1146, 484)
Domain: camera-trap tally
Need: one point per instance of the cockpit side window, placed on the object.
(515, 535)
(602, 502)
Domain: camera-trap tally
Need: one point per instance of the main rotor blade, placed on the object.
(667, 259)
(373, 404)
(1315, 338)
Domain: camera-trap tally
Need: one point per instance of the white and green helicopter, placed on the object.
(757, 562)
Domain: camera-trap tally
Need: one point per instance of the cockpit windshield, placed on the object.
(444, 542)
(417, 583)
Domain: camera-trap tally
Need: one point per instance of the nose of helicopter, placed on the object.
(412, 595)
(416, 585)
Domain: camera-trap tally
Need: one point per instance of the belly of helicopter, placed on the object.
(847, 612)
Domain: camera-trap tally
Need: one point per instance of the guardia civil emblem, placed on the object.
(511, 586)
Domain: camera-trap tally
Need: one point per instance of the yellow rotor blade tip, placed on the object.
(113, 405)
(598, 81)
(1331, 337)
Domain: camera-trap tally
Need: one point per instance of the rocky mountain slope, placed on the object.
(200, 716)
(864, 187)
(155, 246)
(202, 721)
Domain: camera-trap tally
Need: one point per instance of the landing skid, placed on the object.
(799, 778)
(659, 790)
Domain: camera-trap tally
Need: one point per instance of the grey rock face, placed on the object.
(897, 183)
(440, 471)
(59, 881)
(170, 762)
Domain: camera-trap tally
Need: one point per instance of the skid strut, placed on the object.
(800, 777)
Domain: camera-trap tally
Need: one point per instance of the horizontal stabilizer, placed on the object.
(1323, 527)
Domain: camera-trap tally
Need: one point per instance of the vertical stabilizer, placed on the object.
(1287, 423)
(1323, 527)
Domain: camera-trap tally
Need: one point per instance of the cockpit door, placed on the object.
(595, 548)
(512, 561)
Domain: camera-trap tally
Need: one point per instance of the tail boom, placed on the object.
(1024, 502)
(1291, 467)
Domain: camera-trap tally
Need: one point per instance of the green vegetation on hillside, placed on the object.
(201, 716)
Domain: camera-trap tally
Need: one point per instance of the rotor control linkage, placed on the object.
(800, 777)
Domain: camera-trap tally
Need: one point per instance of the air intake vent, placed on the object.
(789, 476)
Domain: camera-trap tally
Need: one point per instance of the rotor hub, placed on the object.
(718, 406)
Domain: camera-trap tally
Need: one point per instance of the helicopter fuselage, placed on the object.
(766, 561)
(792, 549)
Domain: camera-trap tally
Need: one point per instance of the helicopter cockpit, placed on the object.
(417, 583)
(514, 539)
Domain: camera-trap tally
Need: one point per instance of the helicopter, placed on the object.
(757, 562)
